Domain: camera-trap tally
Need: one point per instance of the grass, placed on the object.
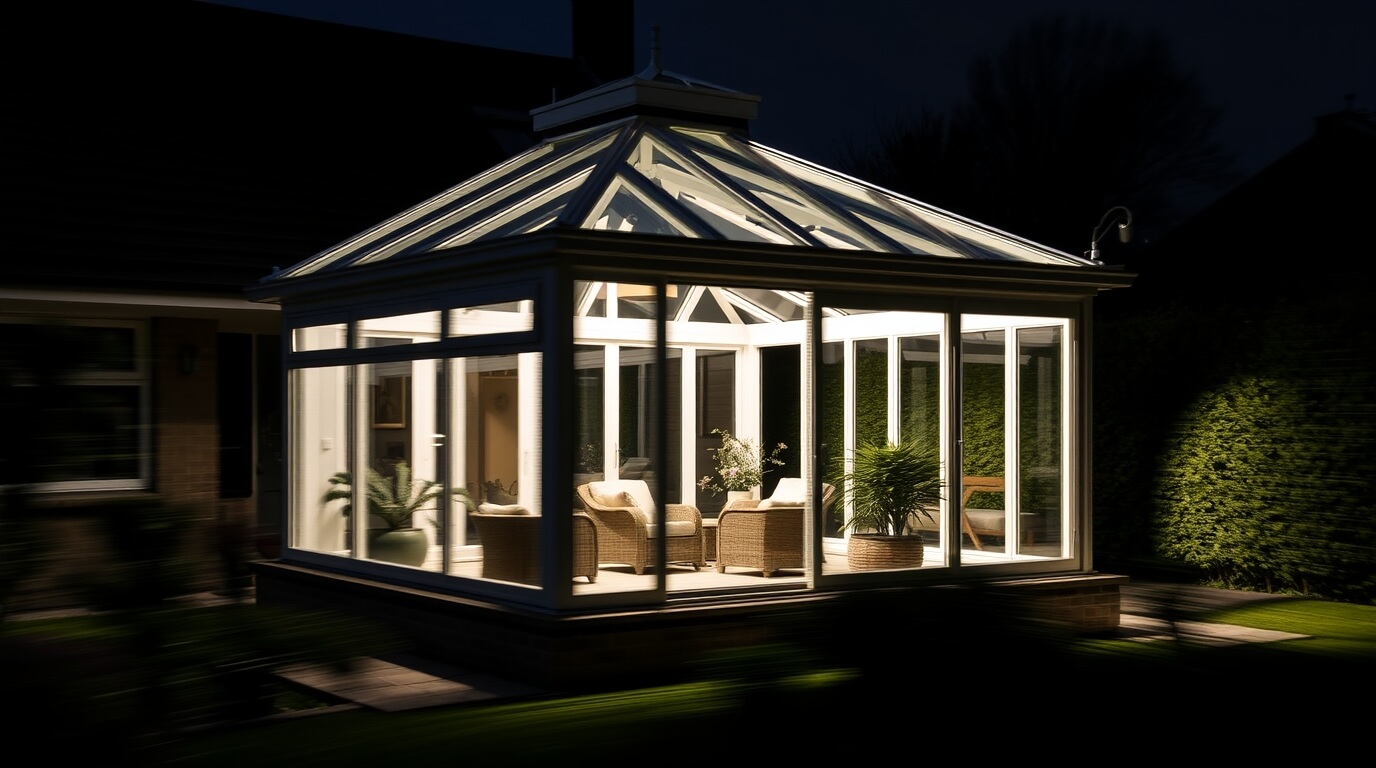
(1107, 683)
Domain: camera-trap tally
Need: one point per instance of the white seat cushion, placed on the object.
(673, 528)
(502, 509)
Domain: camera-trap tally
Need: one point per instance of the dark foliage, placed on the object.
(1071, 117)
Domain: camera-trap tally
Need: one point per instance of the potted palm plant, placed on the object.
(888, 485)
(393, 502)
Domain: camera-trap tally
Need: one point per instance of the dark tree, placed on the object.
(1068, 119)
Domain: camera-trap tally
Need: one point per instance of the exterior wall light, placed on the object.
(1118, 214)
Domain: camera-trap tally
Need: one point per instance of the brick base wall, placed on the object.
(666, 643)
(1085, 605)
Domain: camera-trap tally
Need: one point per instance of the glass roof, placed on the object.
(658, 176)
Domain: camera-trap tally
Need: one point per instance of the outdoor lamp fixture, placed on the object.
(1124, 230)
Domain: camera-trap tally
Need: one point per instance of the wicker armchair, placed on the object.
(624, 514)
(766, 535)
(511, 546)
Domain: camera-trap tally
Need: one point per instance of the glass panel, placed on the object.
(832, 405)
(716, 409)
(710, 137)
(396, 330)
(393, 448)
(623, 208)
(919, 412)
(514, 201)
(321, 502)
(1041, 441)
(404, 482)
(588, 392)
(1015, 439)
(614, 426)
(449, 200)
(589, 299)
(984, 435)
(527, 214)
(917, 242)
(722, 209)
(635, 301)
(866, 203)
(417, 328)
(332, 336)
(506, 317)
(767, 304)
(871, 392)
(496, 414)
(886, 391)
(986, 242)
(920, 387)
(829, 229)
(672, 477)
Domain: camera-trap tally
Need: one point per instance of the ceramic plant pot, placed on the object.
(405, 546)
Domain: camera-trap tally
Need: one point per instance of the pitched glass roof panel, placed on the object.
(963, 236)
(653, 176)
(728, 214)
(527, 214)
(624, 208)
(780, 194)
(509, 198)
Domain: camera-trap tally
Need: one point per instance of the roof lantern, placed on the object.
(653, 92)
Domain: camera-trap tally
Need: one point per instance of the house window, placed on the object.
(81, 391)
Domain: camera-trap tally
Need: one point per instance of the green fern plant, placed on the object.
(393, 500)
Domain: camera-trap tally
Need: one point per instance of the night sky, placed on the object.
(829, 71)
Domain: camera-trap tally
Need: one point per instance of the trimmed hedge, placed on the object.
(1246, 447)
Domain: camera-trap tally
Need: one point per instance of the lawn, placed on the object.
(1100, 683)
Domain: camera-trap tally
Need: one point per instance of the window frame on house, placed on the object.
(109, 361)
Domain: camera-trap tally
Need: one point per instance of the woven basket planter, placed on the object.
(872, 552)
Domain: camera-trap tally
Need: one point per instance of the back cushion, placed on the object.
(790, 492)
(623, 493)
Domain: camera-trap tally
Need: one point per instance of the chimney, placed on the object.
(604, 38)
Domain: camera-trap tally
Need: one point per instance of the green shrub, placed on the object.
(1258, 489)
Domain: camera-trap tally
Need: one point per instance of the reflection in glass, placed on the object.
(983, 429)
(319, 449)
(506, 317)
(716, 404)
(871, 391)
(1041, 438)
(332, 336)
(417, 328)
(833, 427)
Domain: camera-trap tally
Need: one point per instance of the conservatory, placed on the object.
(531, 373)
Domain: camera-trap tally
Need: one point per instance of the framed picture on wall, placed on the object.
(390, 395)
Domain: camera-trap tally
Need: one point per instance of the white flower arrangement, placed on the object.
(740, 464)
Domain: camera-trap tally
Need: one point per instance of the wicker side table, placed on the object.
(709, 538)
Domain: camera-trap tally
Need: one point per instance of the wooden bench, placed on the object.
(979, 524)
